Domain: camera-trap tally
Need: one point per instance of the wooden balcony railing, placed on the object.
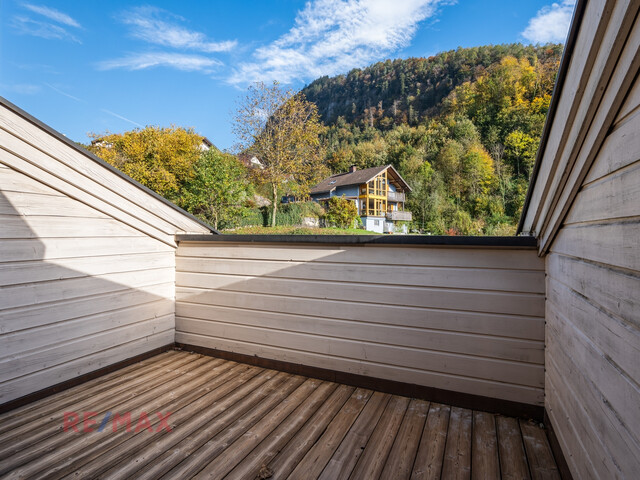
(395, 197)
(399, 216)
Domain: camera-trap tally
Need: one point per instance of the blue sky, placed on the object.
(112, 66)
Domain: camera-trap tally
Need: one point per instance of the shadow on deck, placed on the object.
(232, 420)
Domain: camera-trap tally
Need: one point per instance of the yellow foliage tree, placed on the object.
(159, 158)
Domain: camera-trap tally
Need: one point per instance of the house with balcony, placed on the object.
(378, 192)
(135, 342)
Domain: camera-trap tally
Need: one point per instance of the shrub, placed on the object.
(341, 212)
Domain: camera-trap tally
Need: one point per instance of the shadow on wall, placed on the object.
(461, 319)
(76, 294)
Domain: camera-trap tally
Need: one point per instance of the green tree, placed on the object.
(159, 158)
(283, 130)
(218, 189)
(341, 212)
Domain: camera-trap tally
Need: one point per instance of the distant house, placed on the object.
(207, 145)
(378, 192)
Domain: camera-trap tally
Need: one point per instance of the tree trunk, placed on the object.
(275, 205)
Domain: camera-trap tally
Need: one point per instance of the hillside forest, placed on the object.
(462, 127)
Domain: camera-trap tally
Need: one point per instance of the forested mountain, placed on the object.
(462, 127)
(404, 91)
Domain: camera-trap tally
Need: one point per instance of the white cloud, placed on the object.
(179, 61)
(333, 36)
(36, 28)
(551, 23)
(53, 14)
(21, 88)
(150, 24)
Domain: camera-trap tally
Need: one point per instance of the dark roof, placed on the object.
(358, 178)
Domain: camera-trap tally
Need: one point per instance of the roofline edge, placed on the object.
(70, 143)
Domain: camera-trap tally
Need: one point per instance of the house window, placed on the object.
(376, 223)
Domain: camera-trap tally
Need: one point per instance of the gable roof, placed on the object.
(358, 178)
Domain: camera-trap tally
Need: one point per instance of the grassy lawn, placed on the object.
(287, 230)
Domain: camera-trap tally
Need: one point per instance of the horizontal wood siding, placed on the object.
(593, 312)
(28, 148)
(79, 288)
(458, 318)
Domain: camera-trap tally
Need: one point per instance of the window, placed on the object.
(376, 223)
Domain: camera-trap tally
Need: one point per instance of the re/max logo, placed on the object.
(90, 424)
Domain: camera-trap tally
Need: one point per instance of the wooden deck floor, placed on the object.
(230, 420)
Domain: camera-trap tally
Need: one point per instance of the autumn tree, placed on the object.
(218, 189)
(159, 158)
(282, 129)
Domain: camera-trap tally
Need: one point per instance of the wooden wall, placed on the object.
(456, 318)
(586, 211)
(593, 312)
(87, 262)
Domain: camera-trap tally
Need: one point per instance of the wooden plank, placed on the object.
(20, 250)
(414, 375)
(27, 136)
(59, 401)
(539, 456)
(616, 196)
(37, 204)
(484, 459)
(47, 226)
(595, 393)
(15, 273)
(457, 454)
(301, 443)
(450, 277)
(250, 466)
(190, 413)
(90, 446)
(475, 300)
(195, 452)
(19, 387)
(39, 293)
(613, 244)
(319, 455)
(347, 454)
(117, 297)
(84, 190)
(612, 290)
(34, 361)
(399, 463)
(55, 444)
(423, 338)
(584, 455)
(49, 425)
(231, 456)
(631, 103)
(589, 38)
(394, 354)
(432, 256)
(619, 150)
(12, 181)
(23, 343)
(450, 318)
(626, 60)
(429, 459)
(617, 340)
(513, 461)
(372, 460)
